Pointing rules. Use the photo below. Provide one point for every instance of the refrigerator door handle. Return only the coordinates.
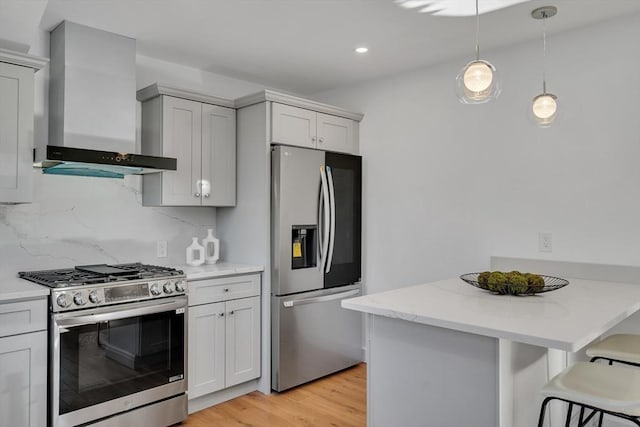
(324, 218)
(323, 298)
(332, 220)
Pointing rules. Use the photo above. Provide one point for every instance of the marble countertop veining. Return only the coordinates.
(565, 319)
(220, 269)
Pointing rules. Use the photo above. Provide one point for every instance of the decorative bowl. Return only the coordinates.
(550, 284)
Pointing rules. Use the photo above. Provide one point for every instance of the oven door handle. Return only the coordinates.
(86, 319)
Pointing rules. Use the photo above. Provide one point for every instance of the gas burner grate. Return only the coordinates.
(96, 274)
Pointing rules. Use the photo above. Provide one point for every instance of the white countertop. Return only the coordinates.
(565, 319)
(220, 269)
(14, 288)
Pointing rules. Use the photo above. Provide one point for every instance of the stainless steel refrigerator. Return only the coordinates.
(316, 262)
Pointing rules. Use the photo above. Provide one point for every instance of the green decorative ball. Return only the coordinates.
(483, 278)
(518, 283)
(497, 281)
(535, 282)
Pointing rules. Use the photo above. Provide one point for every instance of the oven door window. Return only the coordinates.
(107, 360)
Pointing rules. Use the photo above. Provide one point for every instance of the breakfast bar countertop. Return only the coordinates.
(566, 319)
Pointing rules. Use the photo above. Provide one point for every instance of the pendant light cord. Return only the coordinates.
(544, 52)
(477, 33)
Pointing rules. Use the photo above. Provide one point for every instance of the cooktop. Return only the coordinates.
(98, 273)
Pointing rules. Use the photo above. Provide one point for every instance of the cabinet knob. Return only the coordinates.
(206, 194)
(313, 138)
(231, 312)
(221, 314)
(197, 195)
(321, 140)
(226, 289)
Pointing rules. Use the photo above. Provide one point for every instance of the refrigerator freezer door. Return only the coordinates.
(296, 186)
(313, 336)
(345, 187)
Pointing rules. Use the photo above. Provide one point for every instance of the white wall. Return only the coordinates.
(447, 185)
(79, 220)
(151, 70)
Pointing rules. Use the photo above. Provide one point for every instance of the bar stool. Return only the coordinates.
(603, 389)
(620, 348)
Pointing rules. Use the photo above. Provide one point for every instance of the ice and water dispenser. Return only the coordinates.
(303, 246)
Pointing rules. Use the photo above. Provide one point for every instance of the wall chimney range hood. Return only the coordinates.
(92, 106)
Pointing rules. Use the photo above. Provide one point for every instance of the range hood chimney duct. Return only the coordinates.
(92, 106)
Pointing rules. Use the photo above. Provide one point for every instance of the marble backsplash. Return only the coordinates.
(81, 220)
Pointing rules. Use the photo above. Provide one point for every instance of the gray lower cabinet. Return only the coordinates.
(224, 336)
(23, 364)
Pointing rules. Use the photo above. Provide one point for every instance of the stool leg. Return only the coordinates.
(543, 407)
(601, 417)
(581, 419)
(568, 420)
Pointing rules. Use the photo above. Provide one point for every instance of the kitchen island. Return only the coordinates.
(448, 354)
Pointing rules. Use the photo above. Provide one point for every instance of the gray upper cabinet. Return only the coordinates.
(306, 123)
(305, 128)
(293, 126)
(201, 136)
(16, 125)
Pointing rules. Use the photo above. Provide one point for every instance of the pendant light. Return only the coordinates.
(478, 81)
(544, 108)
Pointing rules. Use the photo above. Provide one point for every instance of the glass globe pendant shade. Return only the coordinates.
(477, 82)
(544, 109)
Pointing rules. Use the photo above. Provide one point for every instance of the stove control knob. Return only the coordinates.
(63, 300)
(155, 290)
(78, 299)
(167, 288)
(179, 287)
(94, 297)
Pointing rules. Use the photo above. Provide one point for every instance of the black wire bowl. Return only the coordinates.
(550, 284)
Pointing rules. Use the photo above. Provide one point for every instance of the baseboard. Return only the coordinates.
(208, 400)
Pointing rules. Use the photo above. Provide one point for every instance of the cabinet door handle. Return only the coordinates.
(197, 195)
(321, 140)
(231, 312)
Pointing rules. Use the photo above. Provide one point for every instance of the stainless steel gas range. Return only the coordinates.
(118, 345)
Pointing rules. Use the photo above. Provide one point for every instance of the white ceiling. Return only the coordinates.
(306, 46)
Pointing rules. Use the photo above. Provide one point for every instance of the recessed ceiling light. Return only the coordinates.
(362, 49)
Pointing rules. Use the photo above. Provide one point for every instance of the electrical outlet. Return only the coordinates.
(161, 248)
(544, 242)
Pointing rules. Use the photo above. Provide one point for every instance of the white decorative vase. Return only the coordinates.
(195, 253)
(211, 248)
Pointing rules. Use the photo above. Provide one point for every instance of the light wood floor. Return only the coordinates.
(335, 401)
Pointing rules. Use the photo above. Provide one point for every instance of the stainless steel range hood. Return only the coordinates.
(92, 106)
